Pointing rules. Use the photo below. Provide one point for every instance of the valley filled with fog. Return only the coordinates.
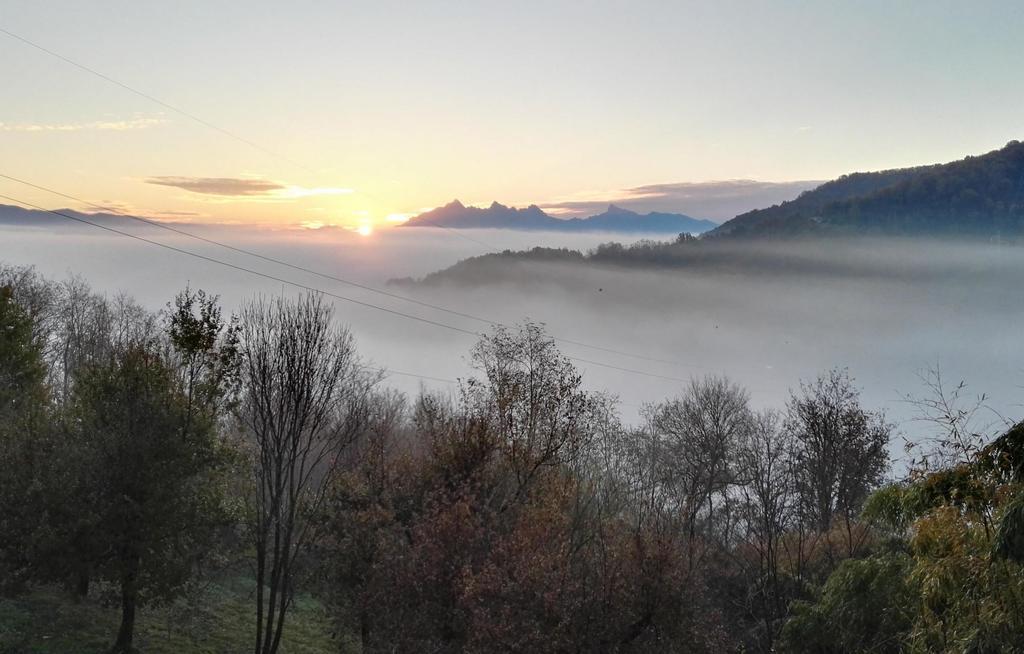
(885, 309)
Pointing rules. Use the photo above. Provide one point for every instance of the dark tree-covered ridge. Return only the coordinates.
(975, 196)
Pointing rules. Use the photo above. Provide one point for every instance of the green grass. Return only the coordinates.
(219, 620)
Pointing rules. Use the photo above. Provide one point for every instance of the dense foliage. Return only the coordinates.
(949, 578)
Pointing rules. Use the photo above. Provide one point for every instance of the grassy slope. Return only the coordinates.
(47, 621)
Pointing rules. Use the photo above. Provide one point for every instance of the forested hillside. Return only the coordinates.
(891, 258)
(980, 196)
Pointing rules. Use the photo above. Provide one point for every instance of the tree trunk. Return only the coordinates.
(364, 630)
(261, 558)
(129, 594)
(82, 584)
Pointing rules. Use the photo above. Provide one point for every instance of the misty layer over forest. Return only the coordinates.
(766, 314)
(187, 464)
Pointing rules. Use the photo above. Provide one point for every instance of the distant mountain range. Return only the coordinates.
(15, 216)
(456, 215)
(976, 197)
(980, 196)
(18, 216)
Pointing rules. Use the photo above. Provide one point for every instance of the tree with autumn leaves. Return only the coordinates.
(521, 515)
(947, 571)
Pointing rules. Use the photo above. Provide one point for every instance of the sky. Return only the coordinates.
(375, 111)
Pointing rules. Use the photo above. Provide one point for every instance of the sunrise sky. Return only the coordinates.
(381, 109)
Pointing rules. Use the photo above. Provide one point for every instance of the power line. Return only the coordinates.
(314, 289)
(251, 253)
(639, 372)
(156, 100)
(292, 162)
(277, 155)
(242, 268)
(366, 287)
(201, 121)
(391, 371)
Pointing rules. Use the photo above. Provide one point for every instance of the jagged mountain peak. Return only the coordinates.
(614, 219)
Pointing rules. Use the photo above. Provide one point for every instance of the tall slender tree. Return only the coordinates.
(304, 400)
(24, 448)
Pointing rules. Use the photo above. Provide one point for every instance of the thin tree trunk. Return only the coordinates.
(129, 595)
(82, 583)
(275, 588)
(261, 556)
(285, 601)
(364, 630)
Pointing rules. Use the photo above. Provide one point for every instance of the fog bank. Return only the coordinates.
(885, 309)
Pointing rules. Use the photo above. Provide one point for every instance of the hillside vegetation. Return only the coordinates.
(905, 259)
(147, 458)
(979, 196)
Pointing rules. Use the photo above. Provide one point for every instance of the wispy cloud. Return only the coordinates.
(244, 187)
(219, 185)
(715, 200)
(99, 125)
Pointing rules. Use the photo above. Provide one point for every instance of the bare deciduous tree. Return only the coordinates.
(961, 425)
(767, 491)
(304, 399)
(533, 397)
(841, 450)
(699, 434)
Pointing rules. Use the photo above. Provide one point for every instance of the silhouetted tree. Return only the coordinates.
(699, 436)
(25, 445)
(150, 468)
(304, 400)
(840, 450)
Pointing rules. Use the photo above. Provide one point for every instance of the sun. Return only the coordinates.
(364, 230)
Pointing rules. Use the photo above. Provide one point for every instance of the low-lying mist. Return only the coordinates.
(766, 315)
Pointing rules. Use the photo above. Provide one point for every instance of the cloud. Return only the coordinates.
(219, 185)
(244, 187)
(714, 200)
(100, 125)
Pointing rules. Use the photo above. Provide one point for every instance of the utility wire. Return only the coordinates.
(204, 123)
(314, 289)
(242, 268)
(251, 253)
(156, 100)
(292, 162)
(278, 155)
(390, 371)
(317, 273)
